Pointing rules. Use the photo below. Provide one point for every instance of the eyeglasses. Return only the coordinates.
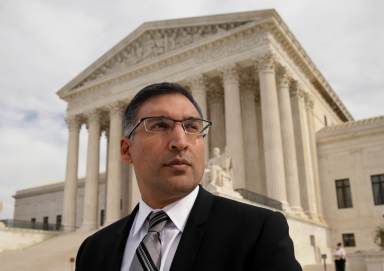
(163, 125)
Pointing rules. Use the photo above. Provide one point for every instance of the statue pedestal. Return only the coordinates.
(223, 190)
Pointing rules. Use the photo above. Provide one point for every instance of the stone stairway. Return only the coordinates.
(51, 255)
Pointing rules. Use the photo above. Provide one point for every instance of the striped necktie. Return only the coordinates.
(148, 253)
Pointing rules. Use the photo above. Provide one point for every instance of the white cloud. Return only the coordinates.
(44, 44)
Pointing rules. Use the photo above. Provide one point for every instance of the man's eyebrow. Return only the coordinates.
(168, 117)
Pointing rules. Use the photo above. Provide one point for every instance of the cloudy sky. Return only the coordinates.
(44, 44)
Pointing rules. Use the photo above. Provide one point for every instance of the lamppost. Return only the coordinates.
(324, 258)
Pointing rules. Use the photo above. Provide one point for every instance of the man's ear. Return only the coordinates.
(125, 150)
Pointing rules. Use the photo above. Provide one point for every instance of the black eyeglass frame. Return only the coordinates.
(209, 124)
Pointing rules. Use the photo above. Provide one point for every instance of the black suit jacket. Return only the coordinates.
(220, 234)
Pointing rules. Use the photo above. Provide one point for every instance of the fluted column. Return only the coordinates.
(199, 92)
(114, 163)
(304, 153)
(288, 137)
(312, 138)
(262, 184)
(252, 162)
(92, 179)
(134, 191)
(233, 124)
(273, 147)
(70, 185)
(216, 115)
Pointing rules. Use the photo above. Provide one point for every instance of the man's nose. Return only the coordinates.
(179, 140)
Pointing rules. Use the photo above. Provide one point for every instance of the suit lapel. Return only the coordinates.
(193, 232)
(117, 251)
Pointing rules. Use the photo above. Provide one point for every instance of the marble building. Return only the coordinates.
(289, 135)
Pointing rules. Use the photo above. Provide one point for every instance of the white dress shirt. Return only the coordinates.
(170, 236)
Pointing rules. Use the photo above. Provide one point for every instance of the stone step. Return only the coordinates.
(51, 255)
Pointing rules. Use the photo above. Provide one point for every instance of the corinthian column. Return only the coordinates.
(252, 161)
(199, 92)
(114, 163)
(233, 124)
(273, 148)
(92, 179)
(216, 115)
(304, 156)
(70, 186)
(312, 139)
(291, 173)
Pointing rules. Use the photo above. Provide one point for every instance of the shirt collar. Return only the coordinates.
(177, 211)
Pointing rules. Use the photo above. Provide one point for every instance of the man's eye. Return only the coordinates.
(192, 126)
(159, 126)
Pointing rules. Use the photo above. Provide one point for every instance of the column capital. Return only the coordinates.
(73, 123)
(247, 82)
(93, 115)
(230, 72)
(116, 108)
(309, 102)
(296, 91)
(215, 94)
(284, 79)
(196, 81)
(266, 63)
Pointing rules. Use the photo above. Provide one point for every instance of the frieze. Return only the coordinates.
(153, 43)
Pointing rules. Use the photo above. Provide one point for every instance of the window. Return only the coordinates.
(343, 193)
(102, 217)
(325, 121)
(312, 240)
(33, 222)
(378, 188)
(349, 239)
(58, 222)
(45, 223)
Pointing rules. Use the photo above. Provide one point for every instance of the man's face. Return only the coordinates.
(168, 166)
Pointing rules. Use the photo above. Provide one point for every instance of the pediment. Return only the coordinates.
(153, 43)
(153, 39)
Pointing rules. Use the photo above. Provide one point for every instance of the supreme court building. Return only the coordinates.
(291, 139)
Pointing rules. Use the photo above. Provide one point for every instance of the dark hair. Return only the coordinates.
(148, 92)
(339, 244)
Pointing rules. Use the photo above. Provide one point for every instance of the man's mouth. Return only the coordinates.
(179, 164)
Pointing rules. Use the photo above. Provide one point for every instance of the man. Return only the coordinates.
(177, 225)
(340, 256)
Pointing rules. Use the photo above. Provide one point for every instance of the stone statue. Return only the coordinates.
(218, 175)
(219, 168)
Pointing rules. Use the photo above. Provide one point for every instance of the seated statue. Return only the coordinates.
(219, 168)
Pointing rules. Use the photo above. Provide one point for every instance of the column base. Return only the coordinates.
(88, 227)
(68, 228)
(314, 217)
(297, 211)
